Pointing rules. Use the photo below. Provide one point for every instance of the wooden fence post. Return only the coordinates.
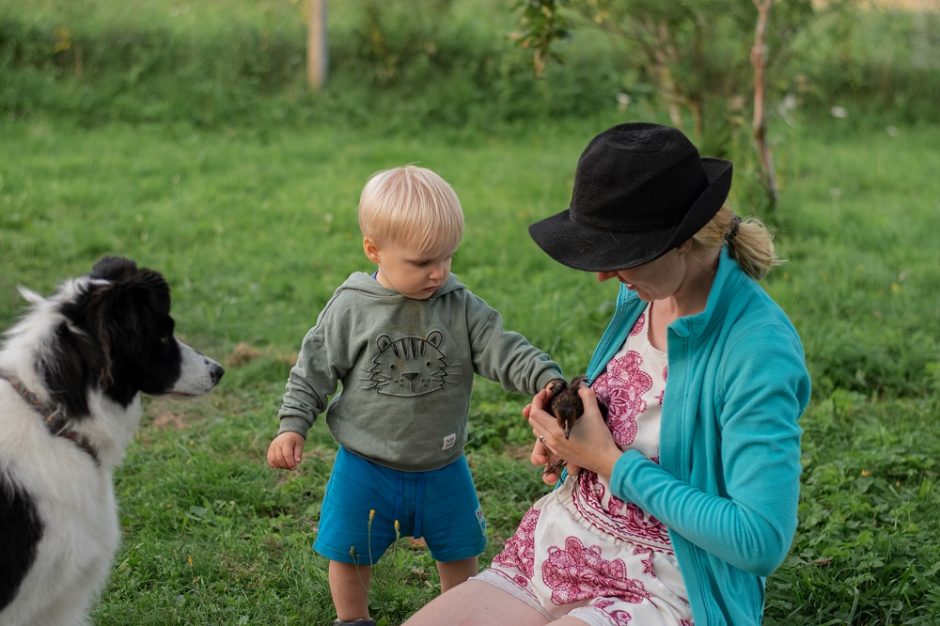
(317, 52)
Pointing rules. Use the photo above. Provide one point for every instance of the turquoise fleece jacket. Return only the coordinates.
(728, 480)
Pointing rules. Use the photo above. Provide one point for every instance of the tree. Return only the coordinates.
(697, 56)
(317, 52)
(759, 120)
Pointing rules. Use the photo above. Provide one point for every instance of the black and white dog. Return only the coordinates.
(71, 374)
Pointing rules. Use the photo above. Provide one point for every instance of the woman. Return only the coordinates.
(677, 507)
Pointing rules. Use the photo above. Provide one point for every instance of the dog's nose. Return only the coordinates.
(216, 371)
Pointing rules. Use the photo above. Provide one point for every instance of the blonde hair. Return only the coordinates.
(411, 206)
(749, 241)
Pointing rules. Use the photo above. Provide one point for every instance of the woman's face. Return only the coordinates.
(656, 280)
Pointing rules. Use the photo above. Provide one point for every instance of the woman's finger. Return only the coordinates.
(538, 455)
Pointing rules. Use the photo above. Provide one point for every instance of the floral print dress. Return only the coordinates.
(580, 550)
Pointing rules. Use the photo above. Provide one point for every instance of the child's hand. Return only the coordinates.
(555, 385)
(286, 451)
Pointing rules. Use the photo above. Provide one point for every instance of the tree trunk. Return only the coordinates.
(665, 56)
(759, 123)
(317, 53)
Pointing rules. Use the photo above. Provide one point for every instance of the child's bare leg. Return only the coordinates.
(349, 586)
(453, 573)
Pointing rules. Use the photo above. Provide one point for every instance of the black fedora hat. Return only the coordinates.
(640, 190)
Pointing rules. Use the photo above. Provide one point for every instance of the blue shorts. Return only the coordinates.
(440, 505)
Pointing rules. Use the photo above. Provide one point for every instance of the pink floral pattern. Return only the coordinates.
(519, 551)
(619, 617)
(639, 325)
(608, 513)
(662, 393)
(581, 547)
(648, 561)
(575, 573)
(621, 388)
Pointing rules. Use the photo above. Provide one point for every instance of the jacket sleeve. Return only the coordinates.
(505, 356)
(749, 514)
(323, 361)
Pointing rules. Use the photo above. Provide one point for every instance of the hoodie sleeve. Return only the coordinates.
(321, 364)
(505, 356)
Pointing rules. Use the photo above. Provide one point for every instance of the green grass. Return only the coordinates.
(234, 63)
(254, 227)
(180, 134)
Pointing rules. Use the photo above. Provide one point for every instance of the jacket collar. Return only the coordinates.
(728, 278)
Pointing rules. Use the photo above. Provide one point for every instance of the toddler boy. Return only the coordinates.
(405, 343)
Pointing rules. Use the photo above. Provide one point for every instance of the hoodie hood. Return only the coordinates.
(364, 283)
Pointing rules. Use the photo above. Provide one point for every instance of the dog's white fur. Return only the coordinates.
(72, 494)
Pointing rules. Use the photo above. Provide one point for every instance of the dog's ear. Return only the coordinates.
(127, 312)
(83, 357)
(113, 268)
(132, 301)
(149, 291)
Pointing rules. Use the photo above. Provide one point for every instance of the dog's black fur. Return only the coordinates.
(21, 530)
(123, 341)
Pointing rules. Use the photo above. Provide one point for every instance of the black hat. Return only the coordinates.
(640, 190)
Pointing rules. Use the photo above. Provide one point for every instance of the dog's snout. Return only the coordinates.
(199, 373)
(216, 371)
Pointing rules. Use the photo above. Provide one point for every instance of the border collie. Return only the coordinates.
(71, 374)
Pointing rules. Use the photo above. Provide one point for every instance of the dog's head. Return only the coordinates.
(118, 337)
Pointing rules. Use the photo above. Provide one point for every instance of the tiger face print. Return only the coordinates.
(409, 366)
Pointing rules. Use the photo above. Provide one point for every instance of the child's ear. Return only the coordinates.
(371, 249)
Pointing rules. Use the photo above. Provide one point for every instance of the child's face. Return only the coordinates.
(411, 273)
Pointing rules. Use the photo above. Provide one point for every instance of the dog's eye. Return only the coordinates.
(165, 339)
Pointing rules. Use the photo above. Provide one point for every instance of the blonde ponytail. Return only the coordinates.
(749, 241)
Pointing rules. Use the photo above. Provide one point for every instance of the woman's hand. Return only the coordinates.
(541, 455)
(590, 446)
(552, 463)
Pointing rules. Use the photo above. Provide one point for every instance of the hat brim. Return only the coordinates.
(593, 249)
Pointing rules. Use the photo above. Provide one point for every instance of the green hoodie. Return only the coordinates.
(406, 368)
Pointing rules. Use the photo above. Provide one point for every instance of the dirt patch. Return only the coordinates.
(242, 353)
(169, 412)
(170, 419)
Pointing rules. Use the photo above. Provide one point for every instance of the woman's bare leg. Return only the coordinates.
(476, 603)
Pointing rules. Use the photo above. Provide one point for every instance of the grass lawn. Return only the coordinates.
(255, 227)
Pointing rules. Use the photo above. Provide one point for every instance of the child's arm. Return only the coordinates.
(286, 451)
(506, 356)
(322, 362)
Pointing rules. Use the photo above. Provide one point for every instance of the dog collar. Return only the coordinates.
(53, 417)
